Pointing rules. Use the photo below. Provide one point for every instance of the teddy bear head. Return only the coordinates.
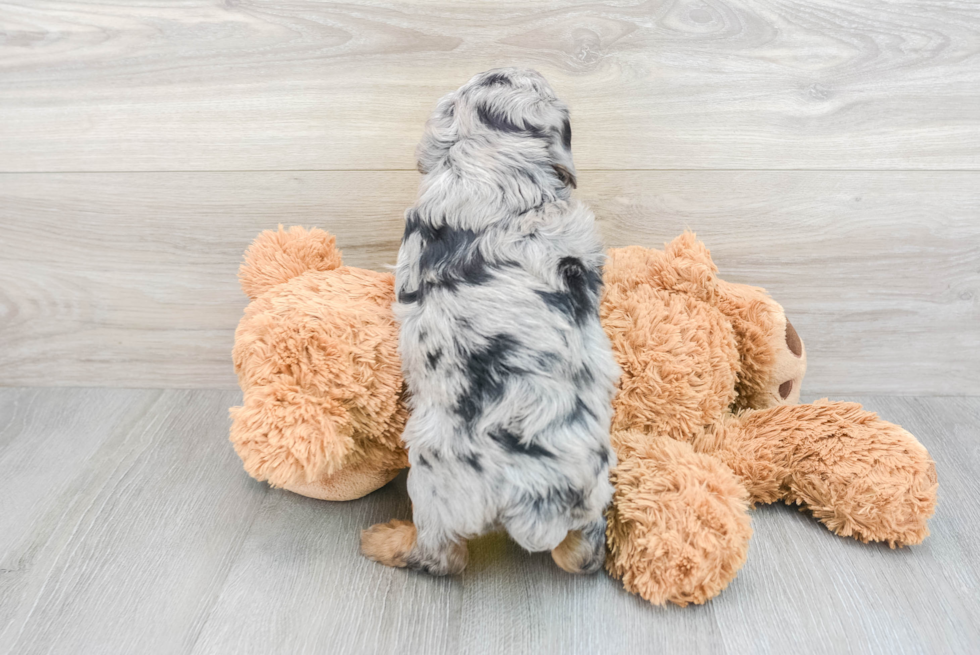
(693, 348)
(316, 356)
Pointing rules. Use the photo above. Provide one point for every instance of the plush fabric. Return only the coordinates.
(706, 420)
(718, 367)
(678, 529)
(317, 361)
(862, 477)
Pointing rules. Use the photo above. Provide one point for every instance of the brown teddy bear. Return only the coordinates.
(706, 422)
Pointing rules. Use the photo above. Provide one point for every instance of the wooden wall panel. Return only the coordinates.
(112, 279)
(103, 85)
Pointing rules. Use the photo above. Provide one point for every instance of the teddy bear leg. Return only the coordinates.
(285, 436)
(860, 476)
(349, 483)
(678, 527)
(582, 551)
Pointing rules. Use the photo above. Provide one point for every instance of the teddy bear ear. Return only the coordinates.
(683, 266)
(278, 256)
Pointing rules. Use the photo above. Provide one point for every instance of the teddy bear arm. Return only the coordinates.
(678, 527)
(860, 476)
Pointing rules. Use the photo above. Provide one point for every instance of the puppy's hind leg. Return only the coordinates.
(397, 544)
(583, 551)
(389, 543)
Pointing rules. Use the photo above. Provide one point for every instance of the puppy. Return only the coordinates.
(510, 375)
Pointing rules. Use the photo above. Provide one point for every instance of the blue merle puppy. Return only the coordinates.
(510, 374)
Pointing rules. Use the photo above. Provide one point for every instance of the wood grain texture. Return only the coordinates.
(141, 533)
(245, 85)
(121, 538)
(867, 598)
(129, 279)
(53, 454)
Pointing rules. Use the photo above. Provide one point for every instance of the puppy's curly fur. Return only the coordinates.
(511, 376)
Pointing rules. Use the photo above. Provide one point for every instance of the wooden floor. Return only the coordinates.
(128, 526)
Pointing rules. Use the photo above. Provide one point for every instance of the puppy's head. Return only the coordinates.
(509, 111)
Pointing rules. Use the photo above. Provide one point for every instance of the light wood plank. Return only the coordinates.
(52, 451)
(142, 534)
(129, 279)
(104, 85)
(809, 591)
(146, 541)
(879, 272)
(301, 563)
(802, 589)
(949, 429)
(301, 559)
(537, 608)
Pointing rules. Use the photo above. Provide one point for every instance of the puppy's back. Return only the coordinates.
(499, 279)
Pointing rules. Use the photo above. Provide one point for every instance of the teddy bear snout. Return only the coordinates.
(789, 368)
(793, 342)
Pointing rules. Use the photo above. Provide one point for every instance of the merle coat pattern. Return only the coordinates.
(510, 374)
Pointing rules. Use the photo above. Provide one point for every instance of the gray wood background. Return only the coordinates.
(828, 150)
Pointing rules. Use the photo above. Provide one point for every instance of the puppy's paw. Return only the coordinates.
(389, 543)
(577, 553)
